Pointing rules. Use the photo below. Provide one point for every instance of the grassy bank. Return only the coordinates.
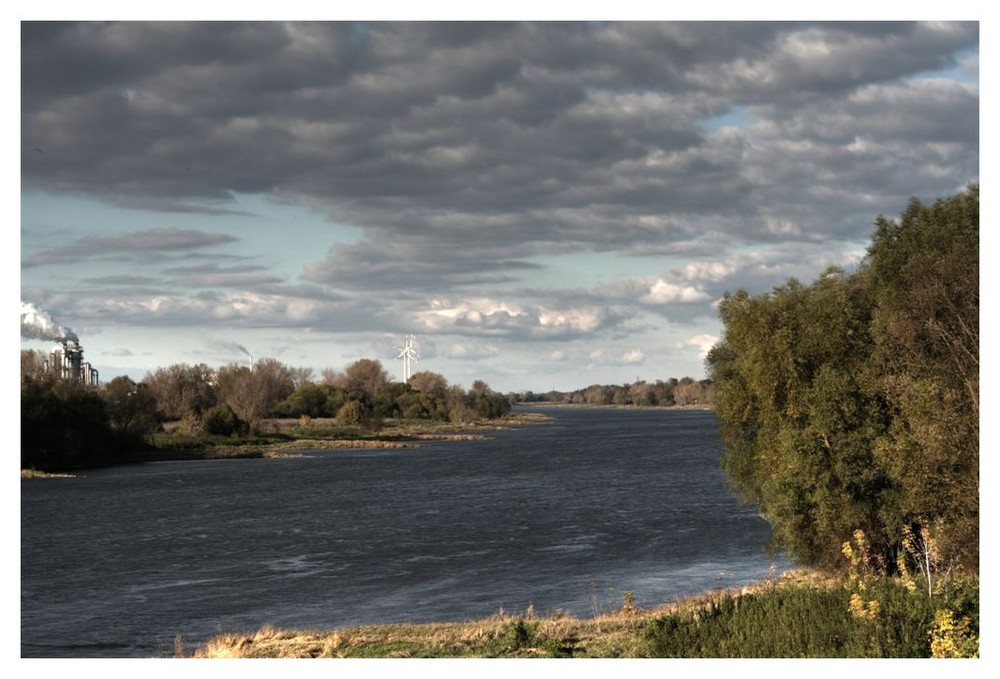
(802, 614)
(289, 438)
(282, 438)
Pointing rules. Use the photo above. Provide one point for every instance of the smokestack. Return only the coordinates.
(245, 351)
(235, 346)
(66, 361)
(37, 324)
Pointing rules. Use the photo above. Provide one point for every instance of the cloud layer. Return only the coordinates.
(472, 155)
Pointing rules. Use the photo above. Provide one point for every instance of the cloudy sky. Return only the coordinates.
(543, 205)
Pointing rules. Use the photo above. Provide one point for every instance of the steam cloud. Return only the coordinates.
(38, 324)
(227, 346)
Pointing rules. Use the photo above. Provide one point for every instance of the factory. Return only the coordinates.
(66, 361)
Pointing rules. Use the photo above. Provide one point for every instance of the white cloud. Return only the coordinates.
(633, 356)
(489, 316)
(703, 343)
(662, 292)
(709, 271)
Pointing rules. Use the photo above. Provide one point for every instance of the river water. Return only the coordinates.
(567, 515)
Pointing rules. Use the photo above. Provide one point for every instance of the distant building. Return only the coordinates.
(67, 363)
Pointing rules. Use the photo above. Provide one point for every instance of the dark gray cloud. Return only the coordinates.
(387, 118)
(466, 151)
(125, 280)
(144, 244)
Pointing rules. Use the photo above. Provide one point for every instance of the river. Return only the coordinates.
(566, 515)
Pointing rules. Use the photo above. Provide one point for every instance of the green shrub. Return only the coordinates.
(220, 420)
(815, 622)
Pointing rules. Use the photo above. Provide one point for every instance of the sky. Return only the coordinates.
(543, 205)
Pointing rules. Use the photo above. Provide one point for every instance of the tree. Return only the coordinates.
(459, 408)
(64, 426)
(365, 378)
(220, 420)
(798, 426)
(180, 389)
(641, 394)
(430, 383)
(253, 394)
(423, 405)
(131, 407)
(353, 412)
(300, 376)
(924, 274)
(308, 399)
(852, 403)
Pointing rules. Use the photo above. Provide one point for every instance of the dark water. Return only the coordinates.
(567, 515)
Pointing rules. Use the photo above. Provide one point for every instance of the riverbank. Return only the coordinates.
(290, 438)
(801, 614)
(281, 437)
(563, 404)
(615, 633)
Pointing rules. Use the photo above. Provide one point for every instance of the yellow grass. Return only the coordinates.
(616, 634)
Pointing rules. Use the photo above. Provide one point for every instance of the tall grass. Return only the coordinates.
(803, 614)
(813, 622)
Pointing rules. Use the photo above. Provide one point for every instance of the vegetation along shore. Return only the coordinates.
(800, 614)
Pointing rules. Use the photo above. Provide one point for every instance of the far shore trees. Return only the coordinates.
(181, 389)
(253, 394)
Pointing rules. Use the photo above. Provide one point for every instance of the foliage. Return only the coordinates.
(65, 426)
(808, 621)
(365, 379)
(951, 638)
(924, 275)
(852, 403)
(180, 389)
(791, 618)
(185, 408)
(312, 400)
(684, 392)
(253, 394)
(131, 407)
(220, 420)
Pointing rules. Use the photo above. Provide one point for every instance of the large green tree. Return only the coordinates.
(853, 402)
(798, 423)
(64, 425)
(131, 407)
(923, 271)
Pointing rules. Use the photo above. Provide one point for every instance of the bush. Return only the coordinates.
(220, 420)
(817, 622)
(351, 413)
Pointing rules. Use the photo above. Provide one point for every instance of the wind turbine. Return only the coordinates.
(408, 353)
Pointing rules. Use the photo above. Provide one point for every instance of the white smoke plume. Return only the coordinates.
(38, 324)
(234, 346)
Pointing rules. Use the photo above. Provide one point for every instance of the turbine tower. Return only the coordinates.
(408, 352)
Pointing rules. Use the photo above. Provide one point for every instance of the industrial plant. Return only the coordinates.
(66, 362)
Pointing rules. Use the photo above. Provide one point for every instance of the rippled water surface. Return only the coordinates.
(567, 515)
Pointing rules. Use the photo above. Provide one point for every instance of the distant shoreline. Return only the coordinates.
(557, 404)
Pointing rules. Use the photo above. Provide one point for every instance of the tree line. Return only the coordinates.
(671, 392)
(65, 424)
(853, 403)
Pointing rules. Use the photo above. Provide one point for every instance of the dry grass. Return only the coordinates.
(35, 474)
(292, 437)
(617, 634)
